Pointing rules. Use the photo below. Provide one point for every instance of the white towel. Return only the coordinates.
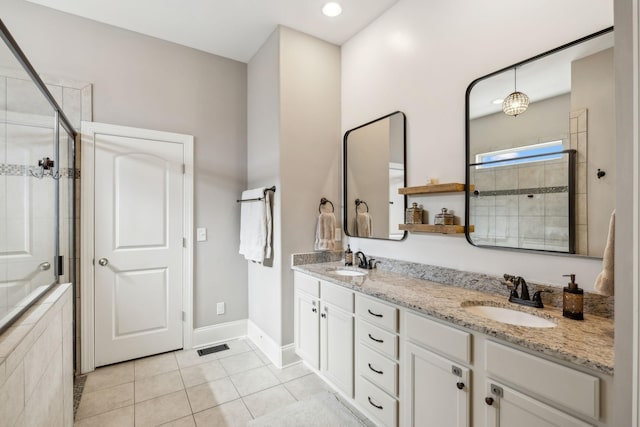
(326, 232)
(604, 281)
(255, 225)
(363, 224)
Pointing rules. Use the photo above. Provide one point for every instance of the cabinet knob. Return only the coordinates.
(460, 385)
(315, 310)
(488, 400)
(324, 315)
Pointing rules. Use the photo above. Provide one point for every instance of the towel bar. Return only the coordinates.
(257, 198)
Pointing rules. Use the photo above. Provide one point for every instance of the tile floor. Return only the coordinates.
(228, 388)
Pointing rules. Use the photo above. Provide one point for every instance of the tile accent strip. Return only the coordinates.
(23, 170)
(539, 190)
(316, 257)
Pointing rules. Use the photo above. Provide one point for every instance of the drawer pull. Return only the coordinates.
(488, 400)
(374, 370)
(460, 385)
(374, 314)
(373, 404)
(375, 339)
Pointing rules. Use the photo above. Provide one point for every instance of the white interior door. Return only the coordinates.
(138, 243)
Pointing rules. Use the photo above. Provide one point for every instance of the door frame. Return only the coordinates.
(87, 168)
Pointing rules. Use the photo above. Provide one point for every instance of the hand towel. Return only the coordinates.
(605, 280)
(255, 225)
(326, 232)
(363, 224)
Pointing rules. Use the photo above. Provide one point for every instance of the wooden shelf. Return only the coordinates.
(439, 229)
(452, 187)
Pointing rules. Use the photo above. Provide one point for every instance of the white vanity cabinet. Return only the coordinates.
(508, 407)
(324, 329)
(436, 387)
(377, 367)
(539, 392)
(306, 312)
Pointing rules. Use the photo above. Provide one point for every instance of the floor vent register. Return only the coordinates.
(214, 349)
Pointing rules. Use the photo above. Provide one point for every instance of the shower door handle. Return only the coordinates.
(103, 261)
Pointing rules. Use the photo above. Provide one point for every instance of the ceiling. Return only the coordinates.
(234, 28)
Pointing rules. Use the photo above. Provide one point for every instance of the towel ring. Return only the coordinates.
(359, 202)
(323, 202)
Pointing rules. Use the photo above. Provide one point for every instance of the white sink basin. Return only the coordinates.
(512, 317)
(351, 273)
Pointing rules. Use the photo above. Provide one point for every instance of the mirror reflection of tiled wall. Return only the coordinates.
(523, 206)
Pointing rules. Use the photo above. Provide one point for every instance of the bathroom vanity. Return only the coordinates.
(410, 352)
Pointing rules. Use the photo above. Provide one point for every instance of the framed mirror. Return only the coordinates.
(540, 151)
(374, 169)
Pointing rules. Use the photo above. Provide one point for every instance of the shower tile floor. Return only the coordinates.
(180, 388)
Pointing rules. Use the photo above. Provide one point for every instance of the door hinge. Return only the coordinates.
(184, 242)
(60, 266)
(184, 316)
(184, 169)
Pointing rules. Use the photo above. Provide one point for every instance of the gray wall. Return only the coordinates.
(144, 82)
(294, 83)
(625, 266)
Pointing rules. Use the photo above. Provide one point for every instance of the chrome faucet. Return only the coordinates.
(523, 298)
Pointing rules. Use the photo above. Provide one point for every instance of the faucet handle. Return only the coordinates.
(372, 263)
(537, 297)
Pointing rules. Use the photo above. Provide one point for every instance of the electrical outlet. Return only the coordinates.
(220, 308)
(201, 234)
(338, 234)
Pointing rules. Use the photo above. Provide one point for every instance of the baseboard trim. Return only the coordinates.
(280, 356)
(214, 334)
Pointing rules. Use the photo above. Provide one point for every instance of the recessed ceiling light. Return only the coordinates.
(332, 9)
(497, 101)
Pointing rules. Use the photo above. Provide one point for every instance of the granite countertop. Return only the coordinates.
(587, 343)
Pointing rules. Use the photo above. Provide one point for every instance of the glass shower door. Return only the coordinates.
(28, 180)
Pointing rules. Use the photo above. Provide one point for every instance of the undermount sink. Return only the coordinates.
(345, 272)
(512, 317)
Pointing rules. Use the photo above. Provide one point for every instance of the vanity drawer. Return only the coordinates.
(441, 338)
(378, 369)
(337, 295)
(378, 404)
(383, 341)
(378, 313)
(562, 385)
(307, 284)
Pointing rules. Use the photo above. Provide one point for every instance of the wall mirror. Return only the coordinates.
(543, 174)
(374, 169)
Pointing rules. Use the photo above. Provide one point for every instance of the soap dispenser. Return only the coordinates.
(573, 300)
(348, 256)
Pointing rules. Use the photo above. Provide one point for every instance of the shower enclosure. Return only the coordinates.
(37, 178)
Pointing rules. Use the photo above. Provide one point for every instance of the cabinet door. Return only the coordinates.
(508, 407)
(337, 347)
(436, 391)
(307, 328)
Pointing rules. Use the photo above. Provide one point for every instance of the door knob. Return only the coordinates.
(44, 266)
(103, 261)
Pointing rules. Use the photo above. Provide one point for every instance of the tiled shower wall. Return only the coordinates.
(36, 364)
(523, 206)
(26, 135)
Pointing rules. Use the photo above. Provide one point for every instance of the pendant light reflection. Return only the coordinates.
(517, 102)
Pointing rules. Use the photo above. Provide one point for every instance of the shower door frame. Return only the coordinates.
(60, 118)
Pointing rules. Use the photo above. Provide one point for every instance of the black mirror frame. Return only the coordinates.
(344, 173)
(467, 136)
